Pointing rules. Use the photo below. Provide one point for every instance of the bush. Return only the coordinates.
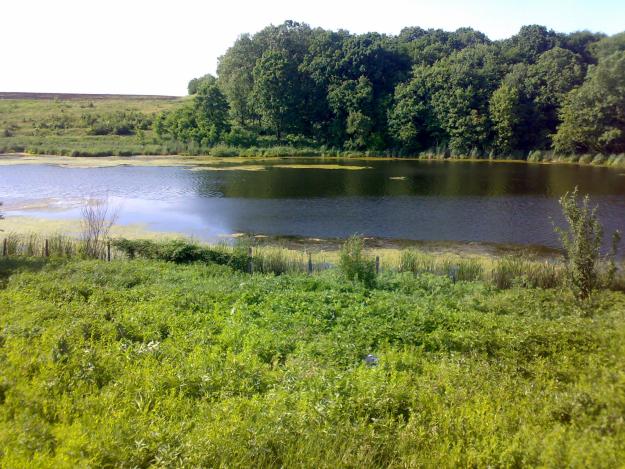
(181, 252)
(355, 264)
(582, 243)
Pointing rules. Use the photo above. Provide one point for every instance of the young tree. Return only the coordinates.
(582, 243)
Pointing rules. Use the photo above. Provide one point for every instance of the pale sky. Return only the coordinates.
(156, 47)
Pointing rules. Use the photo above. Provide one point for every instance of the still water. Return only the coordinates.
(400, 199)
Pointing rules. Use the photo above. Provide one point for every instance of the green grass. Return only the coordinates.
(56, 127)
(145, 363)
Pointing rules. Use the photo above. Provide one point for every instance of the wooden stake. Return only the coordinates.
(250, 263)
(377, 265)
(108, 251)
(5, 248)
(46, 249)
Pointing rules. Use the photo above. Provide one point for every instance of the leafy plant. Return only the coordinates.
(582, 243)
(355, 264)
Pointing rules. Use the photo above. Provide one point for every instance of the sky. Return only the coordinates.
(156, 47)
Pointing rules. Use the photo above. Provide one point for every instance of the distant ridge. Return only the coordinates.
(68, 96)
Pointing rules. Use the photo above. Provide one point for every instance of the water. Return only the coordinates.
(414, 200)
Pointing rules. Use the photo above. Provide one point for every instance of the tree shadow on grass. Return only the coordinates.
(13, 265)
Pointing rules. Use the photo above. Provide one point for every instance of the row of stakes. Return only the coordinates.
(46, 249)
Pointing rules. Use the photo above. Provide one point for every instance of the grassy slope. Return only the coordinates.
(145, 363)
(21, 116)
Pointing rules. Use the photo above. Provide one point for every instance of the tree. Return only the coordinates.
(195, 83)
(504, 111)
(555, 73)
(275, 92)
(582, 243)
(352, 103)
(528, 44)
(460, 87)
(593, 116)
(204, 120)
(411, 118)
(235, 71)
(211, 111)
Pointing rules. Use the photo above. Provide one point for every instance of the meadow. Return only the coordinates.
(81, 127)
(146, 363)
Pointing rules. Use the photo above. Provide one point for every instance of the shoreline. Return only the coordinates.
(23, 225)
(180, 160)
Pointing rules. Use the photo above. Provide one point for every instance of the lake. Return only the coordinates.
(399, 199)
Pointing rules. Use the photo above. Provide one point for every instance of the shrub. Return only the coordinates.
(355, 264)
(181, 252)
(582, 243)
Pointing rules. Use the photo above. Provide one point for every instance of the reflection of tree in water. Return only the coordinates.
(405, 178)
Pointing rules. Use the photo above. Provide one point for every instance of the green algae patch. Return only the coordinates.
(320, 166)
(230, 168)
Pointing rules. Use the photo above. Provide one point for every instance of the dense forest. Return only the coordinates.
(422, 91)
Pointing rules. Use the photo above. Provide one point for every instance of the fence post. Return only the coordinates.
(5, 248)
(310, 266)
(46, 249)
(377, 265)
(108, 251)
(250, 263)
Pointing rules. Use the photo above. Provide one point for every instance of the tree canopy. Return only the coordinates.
(453, 92)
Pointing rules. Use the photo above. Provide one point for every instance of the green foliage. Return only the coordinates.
(204, 120)
(117, 123)
(504, 110)
(355, 264)
(196, 83)
(274, 92)
(582, 243)
(180, 252)
(592, 117)
(148, 363)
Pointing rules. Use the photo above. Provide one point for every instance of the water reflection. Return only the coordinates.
(461, 201)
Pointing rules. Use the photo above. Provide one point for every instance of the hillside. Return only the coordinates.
(80, 124)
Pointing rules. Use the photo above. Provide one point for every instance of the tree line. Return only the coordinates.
(452, 93)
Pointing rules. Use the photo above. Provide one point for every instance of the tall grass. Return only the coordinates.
(503, 272)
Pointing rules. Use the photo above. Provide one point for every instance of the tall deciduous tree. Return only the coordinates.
(275, 79)
(593, 116)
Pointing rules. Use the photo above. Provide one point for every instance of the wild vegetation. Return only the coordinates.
(82, 126)
(422, 92)
(186, 355)
(150, 363)
(295, 90)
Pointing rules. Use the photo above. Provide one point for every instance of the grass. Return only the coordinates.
(145, 363)
(57, 127)
(500, 271)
